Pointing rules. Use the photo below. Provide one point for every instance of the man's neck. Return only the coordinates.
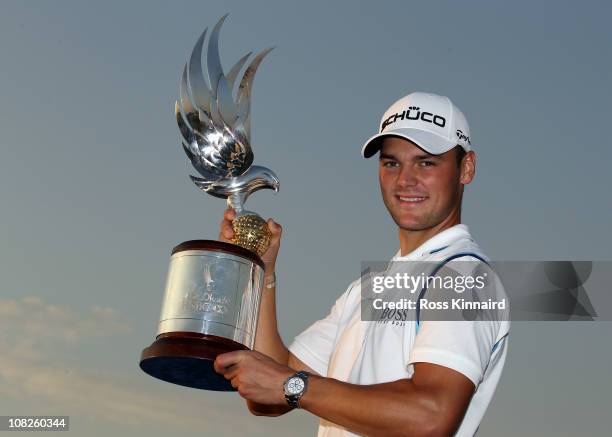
(410, 240)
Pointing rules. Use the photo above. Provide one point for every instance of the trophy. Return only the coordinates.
(213, 288)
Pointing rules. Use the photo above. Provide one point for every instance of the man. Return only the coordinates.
(376, 378)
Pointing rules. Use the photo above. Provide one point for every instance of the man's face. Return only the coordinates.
(421, 190)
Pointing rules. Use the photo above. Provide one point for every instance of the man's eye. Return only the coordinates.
(389, 164)
(427, 163)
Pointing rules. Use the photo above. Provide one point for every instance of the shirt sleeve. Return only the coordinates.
(465, 346)
(315, 344)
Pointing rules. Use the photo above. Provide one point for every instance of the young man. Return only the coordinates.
(378, 378)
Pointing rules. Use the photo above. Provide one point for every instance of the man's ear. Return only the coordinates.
(467, 168)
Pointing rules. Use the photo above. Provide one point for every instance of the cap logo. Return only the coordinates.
(463, 136)
(414, 113)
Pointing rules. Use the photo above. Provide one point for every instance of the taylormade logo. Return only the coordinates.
(414, 113)
(463, 136)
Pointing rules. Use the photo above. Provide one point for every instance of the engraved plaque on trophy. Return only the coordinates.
(213, 288)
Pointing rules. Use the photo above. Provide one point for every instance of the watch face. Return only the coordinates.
(295, 386)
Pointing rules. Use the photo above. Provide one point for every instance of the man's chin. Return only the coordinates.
(412, 225)
(414, 228)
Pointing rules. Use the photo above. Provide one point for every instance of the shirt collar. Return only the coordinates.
(436, 243)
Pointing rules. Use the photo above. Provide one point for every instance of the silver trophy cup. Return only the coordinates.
(213, 289)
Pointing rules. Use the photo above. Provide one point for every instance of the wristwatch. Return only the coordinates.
(295, 387)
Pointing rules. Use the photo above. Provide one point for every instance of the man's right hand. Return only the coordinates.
(226, 233)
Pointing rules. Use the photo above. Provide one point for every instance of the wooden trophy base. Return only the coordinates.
(186, 358)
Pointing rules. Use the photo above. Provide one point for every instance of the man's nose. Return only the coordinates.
(407, 177)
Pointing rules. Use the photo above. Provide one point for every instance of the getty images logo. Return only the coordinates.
(414, 113)
(463, 136)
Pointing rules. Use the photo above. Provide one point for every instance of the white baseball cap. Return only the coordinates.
(430, 121)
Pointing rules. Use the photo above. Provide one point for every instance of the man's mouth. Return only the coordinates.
(411, 199)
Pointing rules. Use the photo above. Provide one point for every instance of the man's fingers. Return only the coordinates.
(223, 361)
(275, 229)
(226, 232)
(231, 372)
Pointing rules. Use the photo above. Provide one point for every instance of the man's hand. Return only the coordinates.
(257, 377)
(226, 233)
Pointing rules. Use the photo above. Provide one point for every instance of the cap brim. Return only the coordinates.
(427, 141)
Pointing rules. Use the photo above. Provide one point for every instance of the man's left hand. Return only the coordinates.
(256, 376)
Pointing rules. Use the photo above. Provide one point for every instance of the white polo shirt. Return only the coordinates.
(344, 347)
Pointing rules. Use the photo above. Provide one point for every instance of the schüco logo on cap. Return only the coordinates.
(414, 113)
(463, 136)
